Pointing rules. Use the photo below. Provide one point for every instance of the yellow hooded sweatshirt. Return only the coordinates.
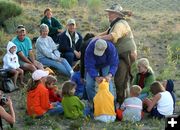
(104, 100)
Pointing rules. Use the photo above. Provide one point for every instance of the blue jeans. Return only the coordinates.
(90, 84)
(58, 109)
(69, 56)
(62, 66)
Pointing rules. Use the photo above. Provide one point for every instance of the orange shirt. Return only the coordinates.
(38, 101)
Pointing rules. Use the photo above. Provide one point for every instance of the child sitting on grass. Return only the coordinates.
(72, 105)
(169, 86)
(104, 104)
(161, 104)
(131, 109)
(11, 63)
(54, 93)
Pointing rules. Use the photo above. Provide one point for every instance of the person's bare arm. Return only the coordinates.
(31, 56)
(23, 58)
(153, 102)
(9, 117)
(103, 33)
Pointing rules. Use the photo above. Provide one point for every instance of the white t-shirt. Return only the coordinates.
(165, 104)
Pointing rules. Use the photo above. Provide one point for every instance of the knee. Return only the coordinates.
(32, 68)
(21, 71)
(16, 72)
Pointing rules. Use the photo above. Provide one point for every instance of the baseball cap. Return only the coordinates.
(38, 74)
(71, 21)
(20, 28)
(100, 47)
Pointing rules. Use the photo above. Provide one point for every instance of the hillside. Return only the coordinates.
(156, 28)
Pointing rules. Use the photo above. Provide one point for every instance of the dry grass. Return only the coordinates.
(155, 26)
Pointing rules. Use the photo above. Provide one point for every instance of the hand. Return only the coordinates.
(60, 30)
(83, 81)
(99, 79)
(9, 102)
(77, 54)
(108, 77)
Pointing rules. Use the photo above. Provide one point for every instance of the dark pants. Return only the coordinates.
(122, 76)
(155, 113)
(69, 56)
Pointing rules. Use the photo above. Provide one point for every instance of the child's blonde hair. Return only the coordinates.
(145, 63)
(50, 79)
(67, 88)
(156, 87)
(135, 90)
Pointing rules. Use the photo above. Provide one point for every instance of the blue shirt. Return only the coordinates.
(23, 46)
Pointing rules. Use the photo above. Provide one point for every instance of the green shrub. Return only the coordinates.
(104, 24)
(175, 48)
(94, 5)
(169, 70)
(28, 22)
(8, 10)
(68, 3)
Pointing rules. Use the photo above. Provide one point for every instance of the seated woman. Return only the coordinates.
(55, 27)
(47, 53)
(38, 102)
(144, 78)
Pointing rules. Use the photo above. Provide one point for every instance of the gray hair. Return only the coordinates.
(43, 27)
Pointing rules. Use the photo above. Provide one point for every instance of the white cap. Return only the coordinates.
(100, 47)
(71, 21)
(38, 74)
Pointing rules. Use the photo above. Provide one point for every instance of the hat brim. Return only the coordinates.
(118, 12)
(71, 23)
(21, 29)
(98, 53)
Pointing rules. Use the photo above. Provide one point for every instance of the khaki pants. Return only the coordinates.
(122, 76)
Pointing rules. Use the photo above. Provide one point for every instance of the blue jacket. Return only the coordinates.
(76, 77)
(93, 63)
(65, 42)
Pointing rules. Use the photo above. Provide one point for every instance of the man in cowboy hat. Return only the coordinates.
(121, 35)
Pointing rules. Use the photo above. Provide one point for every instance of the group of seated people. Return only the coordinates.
(61, 49)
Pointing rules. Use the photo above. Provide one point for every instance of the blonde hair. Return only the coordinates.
(145, 63)
(67, 88)
(156, 87)
(135, 90)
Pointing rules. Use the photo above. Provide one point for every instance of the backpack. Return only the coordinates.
(6, 84)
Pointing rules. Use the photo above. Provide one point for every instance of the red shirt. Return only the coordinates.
(141, 80)
(53, 97)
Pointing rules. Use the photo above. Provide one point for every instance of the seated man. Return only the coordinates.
(70, 42)
(24, 51)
